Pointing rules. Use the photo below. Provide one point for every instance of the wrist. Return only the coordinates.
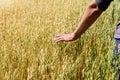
(75, 35)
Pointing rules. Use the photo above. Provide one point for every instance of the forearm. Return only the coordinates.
(91, 13)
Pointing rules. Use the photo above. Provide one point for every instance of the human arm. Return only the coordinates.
(90, 15)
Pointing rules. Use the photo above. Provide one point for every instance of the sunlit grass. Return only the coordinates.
(28, 50)
(5, 2)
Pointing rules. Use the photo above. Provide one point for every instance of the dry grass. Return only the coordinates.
(28, 51)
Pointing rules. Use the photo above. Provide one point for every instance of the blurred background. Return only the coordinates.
(28, 50)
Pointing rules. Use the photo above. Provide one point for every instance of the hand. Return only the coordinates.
(65, 37)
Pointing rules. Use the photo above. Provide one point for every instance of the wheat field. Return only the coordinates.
(28, 50)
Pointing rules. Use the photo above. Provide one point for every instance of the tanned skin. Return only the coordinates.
(91, 13)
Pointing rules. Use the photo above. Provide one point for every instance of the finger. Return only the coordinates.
(56, 38)
(59, 35)
(59, 39)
